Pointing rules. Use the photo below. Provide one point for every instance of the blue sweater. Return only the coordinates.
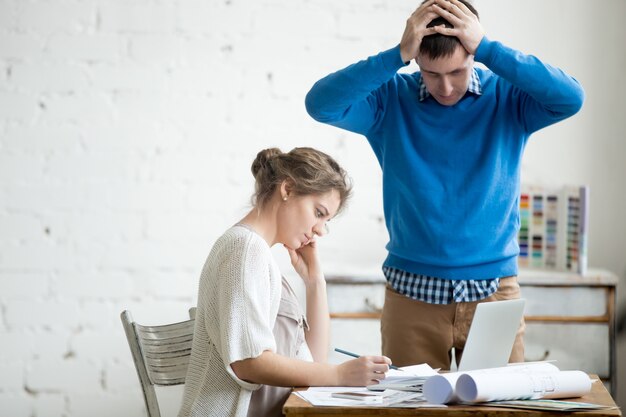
(450, 174)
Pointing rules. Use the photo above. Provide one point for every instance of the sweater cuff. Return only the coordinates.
(486, 51)
(392, 59)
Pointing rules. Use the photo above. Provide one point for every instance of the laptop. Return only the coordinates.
(492, 334)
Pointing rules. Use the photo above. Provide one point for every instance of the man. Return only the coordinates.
(449, 140)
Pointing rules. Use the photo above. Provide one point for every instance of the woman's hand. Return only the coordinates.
(366, 370)
(306, 262)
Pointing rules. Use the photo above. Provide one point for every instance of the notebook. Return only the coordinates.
(492, 334)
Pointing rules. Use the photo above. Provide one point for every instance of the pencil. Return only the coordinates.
(354, 355)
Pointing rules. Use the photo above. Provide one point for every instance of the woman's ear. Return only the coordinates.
(286, 188)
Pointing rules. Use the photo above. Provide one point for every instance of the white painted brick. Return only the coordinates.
(105, 404)
(213, 17)
(18, 106)
(139, 134)
(281, 22)
(164, 227)
(200, 80)
(18, 284)
(204, 51)
(100, 225)
(259, 52)
(86, 109)
(21, 167)
(194, 108)
(94, 167)
(5, 69)
(381, 25)
(53, 314)
(18, 226)
(8, 16)
(81, 285)
(129, 77)
(66, 375)
(146, 107)
(25, 345)
(11, 376)
(137, 17)
(190, 167)
(53, 17)
(98, 314)
(85, 48)
(49, 77)
(32, 198)
(21, 46)
(103, 345)
(49, 405)
(16, 405)
(121, 377)
(36, 255)
(175, 284)
(146, 196)
(155, 49)
(148, 255)
(41, 138)
(203, 197)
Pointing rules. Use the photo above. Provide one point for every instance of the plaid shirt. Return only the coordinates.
(474, 86)
(433, 290)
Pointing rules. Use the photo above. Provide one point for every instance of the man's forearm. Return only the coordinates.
(347, 98)
(559, 93)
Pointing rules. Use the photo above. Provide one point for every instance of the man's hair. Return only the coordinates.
(438, 45)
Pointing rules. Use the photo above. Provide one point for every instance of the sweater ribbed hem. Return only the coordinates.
(503, 268)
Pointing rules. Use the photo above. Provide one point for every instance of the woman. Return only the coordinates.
(249, 337)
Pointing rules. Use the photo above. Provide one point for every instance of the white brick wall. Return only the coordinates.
(127, 129)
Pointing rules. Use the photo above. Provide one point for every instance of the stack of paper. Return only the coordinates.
(361, 397)
(400, 388)
(410, 378)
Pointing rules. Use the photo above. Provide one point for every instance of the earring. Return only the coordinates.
(285, 198)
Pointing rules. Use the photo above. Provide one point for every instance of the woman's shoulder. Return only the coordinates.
(241, 241)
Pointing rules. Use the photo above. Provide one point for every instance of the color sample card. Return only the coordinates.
(553, 228)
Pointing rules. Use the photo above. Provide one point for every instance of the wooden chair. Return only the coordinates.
(161, 354)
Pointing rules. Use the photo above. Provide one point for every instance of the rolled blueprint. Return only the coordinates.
(483, 387)
(441, 389)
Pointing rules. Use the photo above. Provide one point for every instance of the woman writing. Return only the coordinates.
(249, 338)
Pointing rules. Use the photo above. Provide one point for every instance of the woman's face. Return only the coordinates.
(301, 218)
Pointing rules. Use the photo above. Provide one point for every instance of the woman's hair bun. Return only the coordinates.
(263, 160)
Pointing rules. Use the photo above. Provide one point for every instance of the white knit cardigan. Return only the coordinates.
(238, 299)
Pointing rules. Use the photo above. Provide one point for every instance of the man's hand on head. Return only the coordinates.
(466, 26)
(416, 29)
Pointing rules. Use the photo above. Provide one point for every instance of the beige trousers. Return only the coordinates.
(415, 332)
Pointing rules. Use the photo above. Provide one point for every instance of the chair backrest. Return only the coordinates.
(161, 354)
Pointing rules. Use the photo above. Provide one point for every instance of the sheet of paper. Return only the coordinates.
(323, 397)
(411, 378)
(548, 405)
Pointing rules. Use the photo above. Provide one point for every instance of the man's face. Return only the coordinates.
(447, 78)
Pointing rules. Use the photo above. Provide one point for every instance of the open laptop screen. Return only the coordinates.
(492, 334)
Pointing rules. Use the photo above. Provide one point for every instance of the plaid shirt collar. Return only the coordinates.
(474, 86)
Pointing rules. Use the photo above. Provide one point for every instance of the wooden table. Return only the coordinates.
(297, 407)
